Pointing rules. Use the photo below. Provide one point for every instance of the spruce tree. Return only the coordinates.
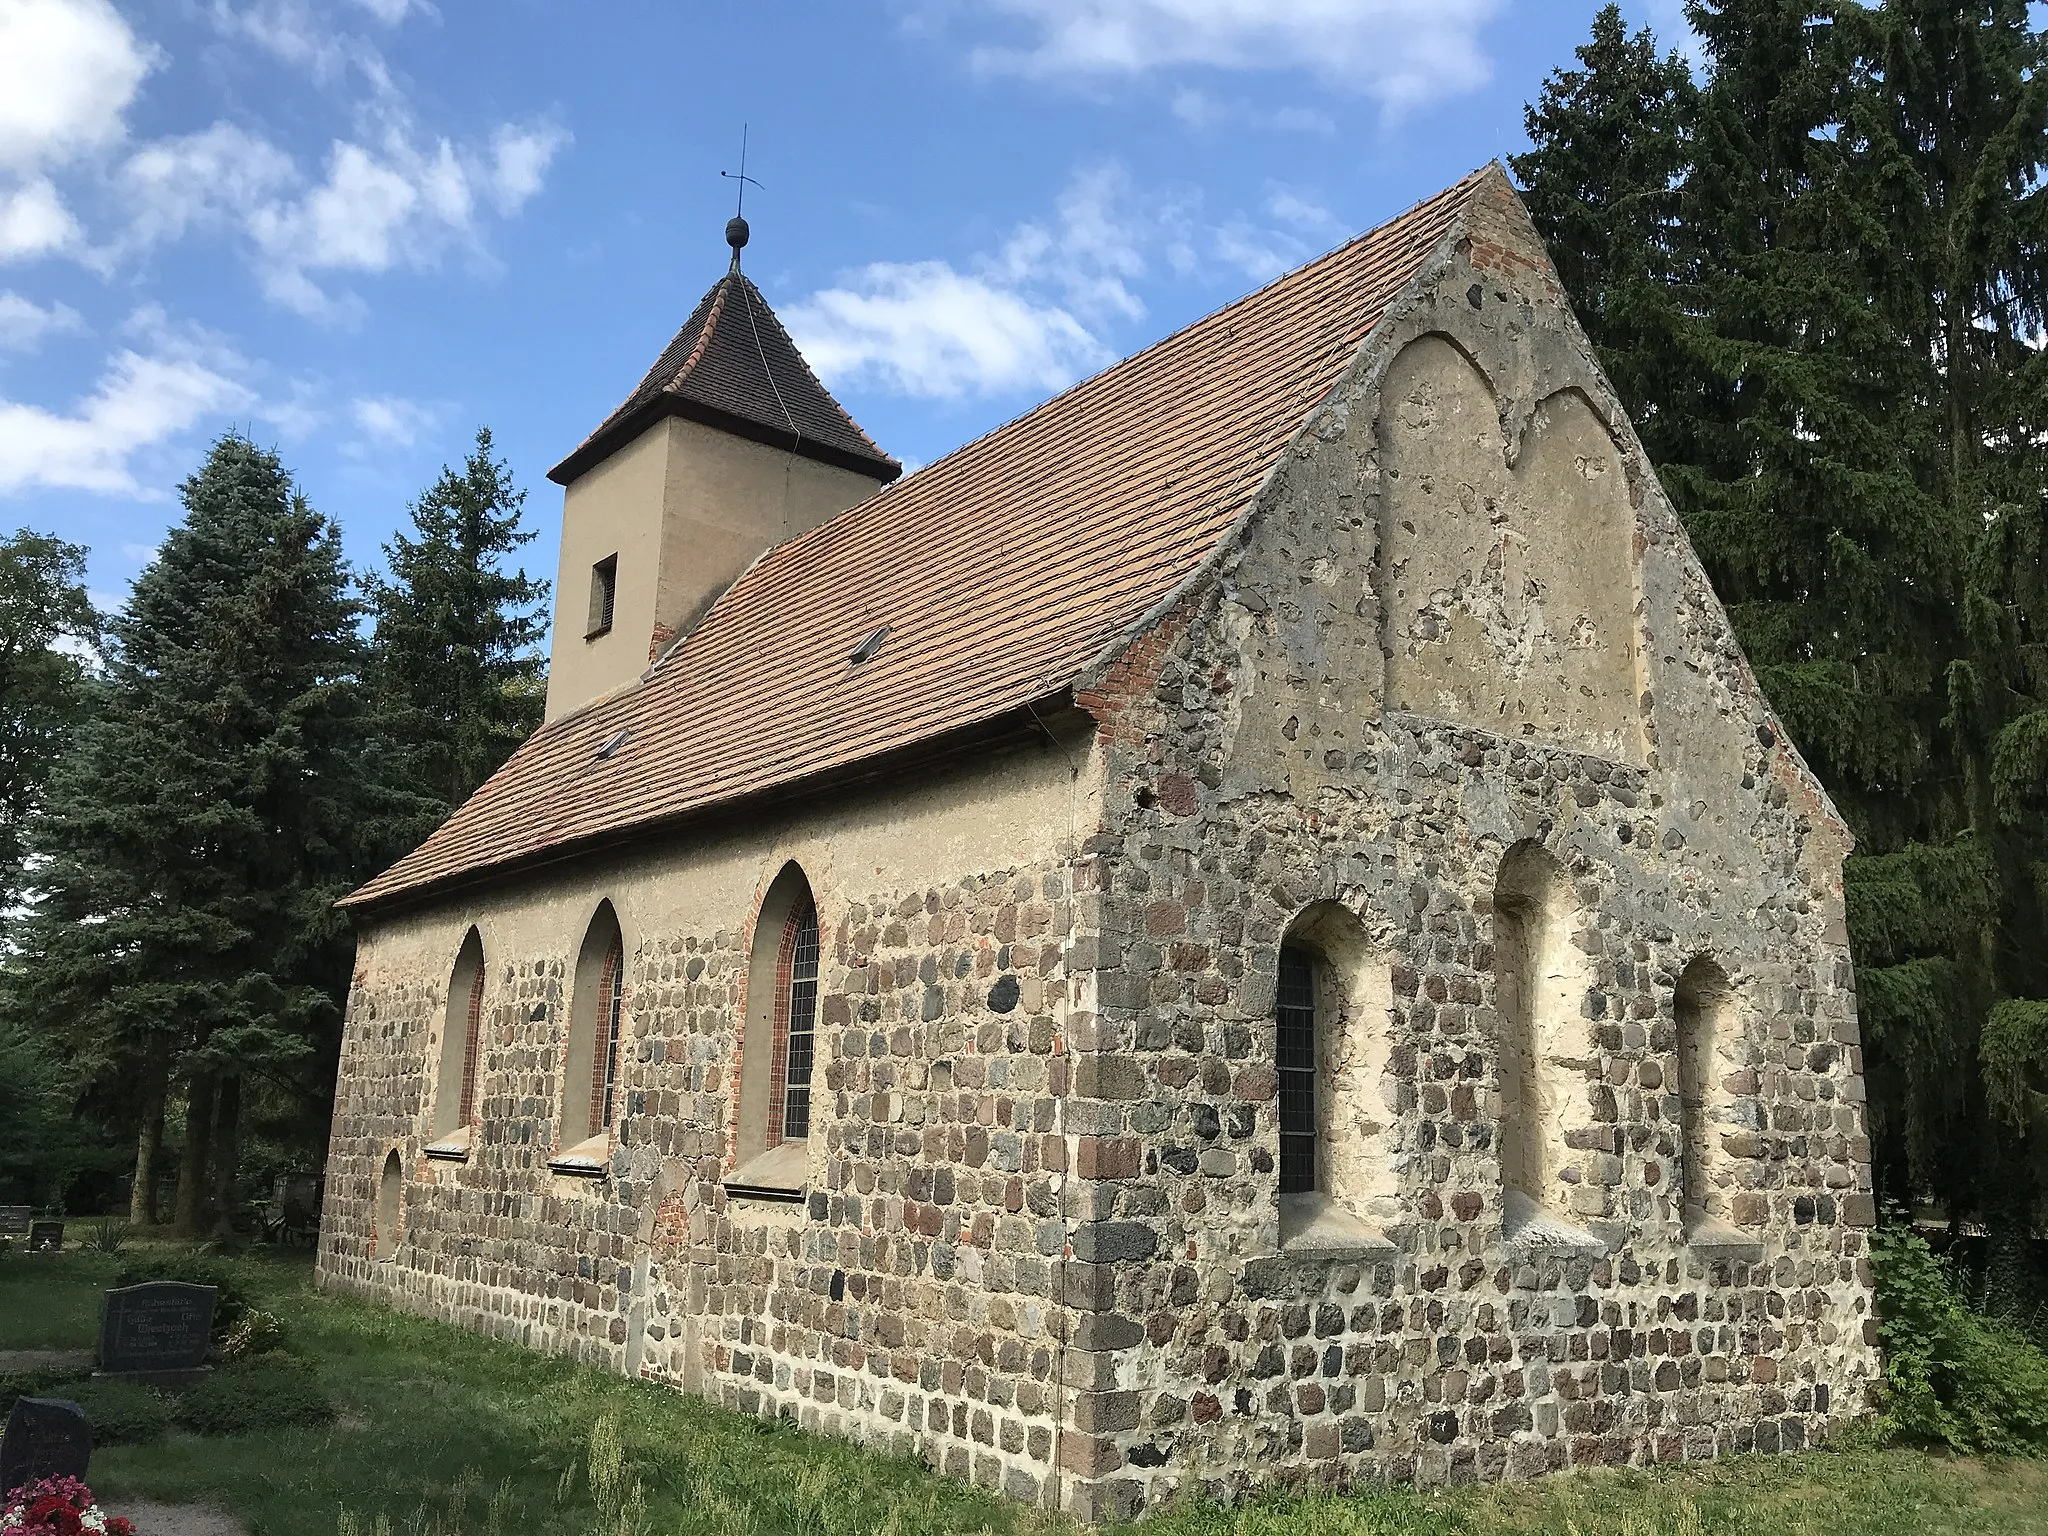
(1610, 142)
(43, 610)
(1855, 375)
(197, 835)
(455, 666)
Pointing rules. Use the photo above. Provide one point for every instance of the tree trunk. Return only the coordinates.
(226, 1149)
(192, 1161)
(149, 1144)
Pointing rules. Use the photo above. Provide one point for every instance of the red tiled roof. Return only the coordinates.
(734, 366)
(1002, 571)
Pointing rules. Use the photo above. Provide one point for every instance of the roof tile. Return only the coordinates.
(1002, 571)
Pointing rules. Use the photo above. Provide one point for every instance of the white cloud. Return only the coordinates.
(392, 12)
(23, 324)
(922, 328)
(519, 163)
(35, 222)
(1400, 52)
(1034, 313)
(68, 69)
(386, 204)
(1021, 318)
(390, 420)
(215, 174)
(141, 401)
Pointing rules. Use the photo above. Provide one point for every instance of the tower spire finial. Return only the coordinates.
(736, 231)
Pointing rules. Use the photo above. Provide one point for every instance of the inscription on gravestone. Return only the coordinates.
(164, 1325)
(14, 1220)
(45, 1437)
(46, 1237)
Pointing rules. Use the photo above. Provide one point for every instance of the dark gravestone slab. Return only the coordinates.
(46, 1237)
(45, 1437)
(14, 1220)
(160, 1327)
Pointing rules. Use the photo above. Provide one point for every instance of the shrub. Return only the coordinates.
(1951, 1375)
(273, 1391)
(120, 1412)
(107, 1235)
(192, 1268)
(258, 1333)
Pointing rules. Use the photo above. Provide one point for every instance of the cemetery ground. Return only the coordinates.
(447, 1434)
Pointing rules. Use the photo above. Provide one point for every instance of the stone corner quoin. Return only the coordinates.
(1444, 760)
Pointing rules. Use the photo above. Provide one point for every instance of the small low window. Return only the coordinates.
(604, 592)
(1296, 1052)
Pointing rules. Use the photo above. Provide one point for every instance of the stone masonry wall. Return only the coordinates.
(912, 1300)
(1256, 772)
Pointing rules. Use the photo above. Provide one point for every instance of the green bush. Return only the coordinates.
(1951, 1375)
(258, 1333)
(121, 1412)
(107, 1235)
(270, 1392)
(193, 1268)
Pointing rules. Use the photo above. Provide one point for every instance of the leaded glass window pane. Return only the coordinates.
(1296, 1059)
(803, 1023)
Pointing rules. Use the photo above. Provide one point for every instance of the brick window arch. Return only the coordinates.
(592, 1100)
(773, 1117)
(604, 1071)
(455, 1084)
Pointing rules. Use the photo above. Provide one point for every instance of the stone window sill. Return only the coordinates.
(591, 1159)
(1712, 1239)
(1533, 1231)
(450, 1149)
(777, 1177)
(1314, 1226)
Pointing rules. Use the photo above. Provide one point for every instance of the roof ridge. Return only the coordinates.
(711, 319)
(834, 523)
(1004, 569)
(1175, 335)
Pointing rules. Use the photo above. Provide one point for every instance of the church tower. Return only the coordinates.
(729, 446)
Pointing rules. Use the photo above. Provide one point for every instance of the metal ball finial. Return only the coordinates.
(736, 233)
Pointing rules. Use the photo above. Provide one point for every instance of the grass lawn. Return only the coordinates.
(442, 1432)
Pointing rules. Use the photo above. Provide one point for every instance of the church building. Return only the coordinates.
(1250, 926)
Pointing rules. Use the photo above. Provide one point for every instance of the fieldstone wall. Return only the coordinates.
(912, 1300)
(1257, 776)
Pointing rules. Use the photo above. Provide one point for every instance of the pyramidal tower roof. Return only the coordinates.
(733, 366)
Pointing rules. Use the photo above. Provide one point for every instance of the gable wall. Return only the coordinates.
(1463, 617)
(913, 1301)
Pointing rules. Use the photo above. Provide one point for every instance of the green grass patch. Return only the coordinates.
(437, 1432)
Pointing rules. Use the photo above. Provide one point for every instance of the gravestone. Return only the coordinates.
(159, 1329)
(45, 1437)
(14, 1220)
(46, 1237)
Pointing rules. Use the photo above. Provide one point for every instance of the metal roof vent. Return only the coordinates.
(866, 650)
(612, 743)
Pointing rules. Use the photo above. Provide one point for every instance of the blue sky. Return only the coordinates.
(356, 229)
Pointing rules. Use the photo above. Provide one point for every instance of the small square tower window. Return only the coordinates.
(604, 591)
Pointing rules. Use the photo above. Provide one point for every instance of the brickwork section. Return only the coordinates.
(912, 1301)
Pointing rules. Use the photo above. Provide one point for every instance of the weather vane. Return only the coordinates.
(736, 227)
